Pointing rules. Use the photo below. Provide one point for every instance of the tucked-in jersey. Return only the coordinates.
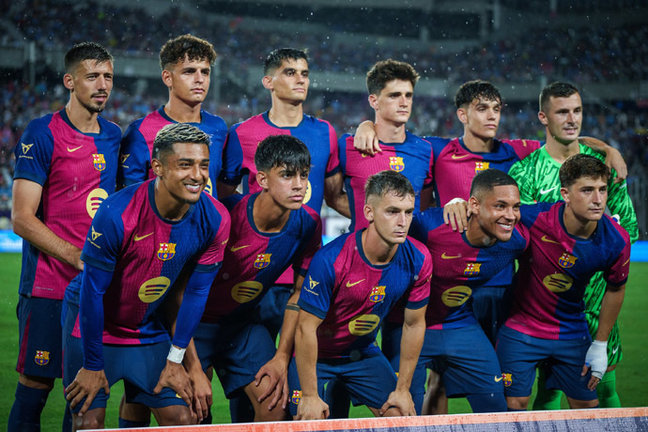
(352, 296)
(412, 158)
(455, 165)
(145, 254)
(77, 172)
(137, 146)
(254, 260)
(244, 138)
(554, 271)
(459, 267)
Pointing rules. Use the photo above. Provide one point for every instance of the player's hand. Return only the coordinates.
(277, 371)
(596, 359)
(75, 258)
(365, 139)
(456, 213)
(202, 398)
(614, 160)
(176, 378)
(86, 384)
(401, 400)
(312, 408)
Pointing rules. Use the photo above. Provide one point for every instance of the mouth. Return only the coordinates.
(506, 226)
(571, 130)
(297, 198)
(193, 188)
(100, 97)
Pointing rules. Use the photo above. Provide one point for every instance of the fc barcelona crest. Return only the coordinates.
(508, 379)
(42, 357)
(296, 397)
(481, 166)
(472, 269)
(396, 163)
(377, 293)
(262, 261)
(567, 260)
(166, 251)
(99, 162)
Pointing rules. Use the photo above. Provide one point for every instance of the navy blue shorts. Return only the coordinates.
(271, 308)
(39, 327)
(138, 365)
(236, 353)
(368, 380)
(562, 360)
(491, 306)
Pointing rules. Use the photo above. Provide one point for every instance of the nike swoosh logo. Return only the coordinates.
(234, 249)
(498, 379)
(546, 191)
(72, 150)
(614, 351)
(349, 284)
(454, 156)
(444, 256)
(138, 238)
(548, 240)
(627, 261)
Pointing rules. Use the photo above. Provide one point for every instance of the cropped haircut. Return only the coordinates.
(486, 181)
(177, 133)
(278, 56)
(388, 181)
(85, 51)
(582, 165)
(555, 89)
(476, 89)
(186, 46)
(282, 151)
(388, 70)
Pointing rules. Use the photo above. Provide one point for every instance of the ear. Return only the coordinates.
(564, 192)
(166, 78)
(473, 205)
(262, 179)
(68, 81)
(373, 101)
(462, 115)
(157, 167)
(543, 118)
(267, 82)
(368, 212)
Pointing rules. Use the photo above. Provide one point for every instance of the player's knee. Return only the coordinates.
(582, 404)
(264, 415)
(36, 382)
(174, 415)
(93, 419)
(517, 403)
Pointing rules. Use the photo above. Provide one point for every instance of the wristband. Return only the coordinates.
(176, 354)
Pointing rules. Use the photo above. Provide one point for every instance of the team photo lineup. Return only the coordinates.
(178, 250)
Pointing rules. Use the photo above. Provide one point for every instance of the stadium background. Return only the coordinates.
(520, 45)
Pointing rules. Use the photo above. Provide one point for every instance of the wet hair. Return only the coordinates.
(282, 151)
(177, 133)
(582, 165)
(486, 181)
(276, 58)
(555, 89)
(476, 89)
(186, 46)
(388, 70)
(388, 181)
(85, 51)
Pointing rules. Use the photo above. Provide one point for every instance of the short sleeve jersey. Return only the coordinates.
(137, 146)
(557, 267)
(244, 138)
(254, 260)
(352, 296)
(77, 172)
(412, 158)
(146, 253)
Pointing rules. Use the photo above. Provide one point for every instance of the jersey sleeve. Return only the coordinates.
(34, 153)
(105, 237)
(524, 147)
(617, 274)
(341, 151)
(621, 207)
(316, 292)
(231, 173)
(429, 177)
(524, 179)
(212, 257)
(134, 157)
(333, 165)
(419, 294)
(304, 259)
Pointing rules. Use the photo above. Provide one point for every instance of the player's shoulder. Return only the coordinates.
(212, 204)
(108, 128)
(336, 246)
(611, 225)
(40, 124)
(431, 217)
(250, 123)
(346, 139)
(310, 213)
(417, 246)
(211, 118)
(116, 202)
(529, 213)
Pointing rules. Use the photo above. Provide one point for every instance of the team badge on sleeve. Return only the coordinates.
(377, 293)
(567, 260)
(481, 166)
(42, 358)
(472, 269)
(99, 162)
(166, 251)
(262, 261)
(296, 397)
(396, 163)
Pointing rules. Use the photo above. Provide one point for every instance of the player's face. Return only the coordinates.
(481, 118)
(498, 212)
(188, 80)
(391, 216)
(394, 103)
(586, 198)
(286, 187)
(184, 173)
(563, 118)
(290, 81)
(91, 84)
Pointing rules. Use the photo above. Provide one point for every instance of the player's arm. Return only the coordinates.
(620, 204)
(335, 196)
(311, 406)
(366, 139)
(134, 158)
(411, 343)
(427, 197)
(26, 200)
(613, 157)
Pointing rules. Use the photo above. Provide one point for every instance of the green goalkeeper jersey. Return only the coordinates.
(538, 180)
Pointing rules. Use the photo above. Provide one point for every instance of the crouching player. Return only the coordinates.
(351, 285)
(140, 241)
(570, 241)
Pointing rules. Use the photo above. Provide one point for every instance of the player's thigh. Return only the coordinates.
(173, 415)
(325, 374)
(93, 419)
(565, 369)
(369, 380)
(518, 355)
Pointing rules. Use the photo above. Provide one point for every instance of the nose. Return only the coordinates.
(509, 213)
(102, 82)
(298, 182)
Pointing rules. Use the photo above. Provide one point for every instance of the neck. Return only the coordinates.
(388, 132)
(377, 251)
(478, 144)
(268, 216)
(167, 206)
(286, 114)
(181, 112)
(576, 226)
(560, 152)
(81, 118)
(476, 236)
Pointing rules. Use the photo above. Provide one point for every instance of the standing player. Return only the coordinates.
(391, 91)
(139, 242)
(66, 164)
(570, 241)
(274, 230)
(186, 63)
(561, 112)
(351, 285)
